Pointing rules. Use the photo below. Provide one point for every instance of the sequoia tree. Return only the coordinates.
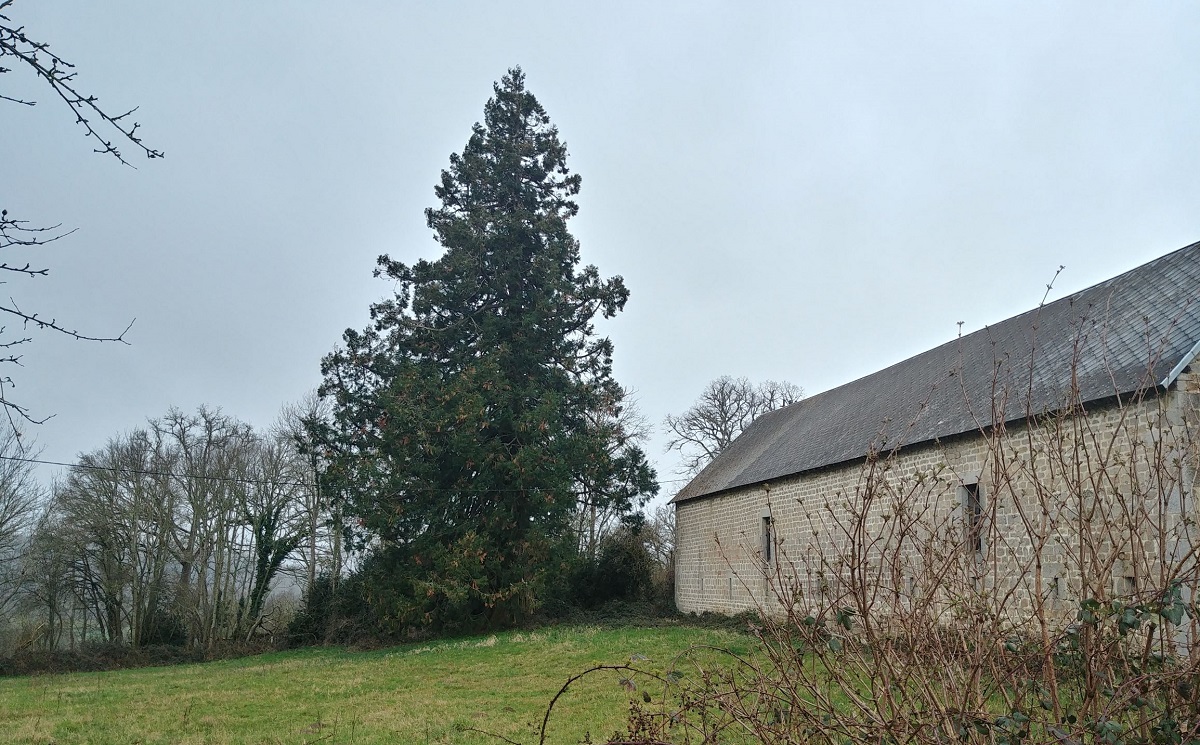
(464, 415)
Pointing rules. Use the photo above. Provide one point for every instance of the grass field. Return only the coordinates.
(423, 693)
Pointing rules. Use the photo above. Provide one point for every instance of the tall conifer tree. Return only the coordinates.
(462, 413)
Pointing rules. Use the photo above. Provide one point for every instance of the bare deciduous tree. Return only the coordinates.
(112, 525)
(725, 408)
(273, 501)
(299, 424)
(613, 487)
(46, 596)
(660, 535)
(173, 532)
(19, 496)
(205, 464)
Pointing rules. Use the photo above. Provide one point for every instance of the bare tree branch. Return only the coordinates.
(60, 75)
(106, 130)
(53, 325)
(725, 408)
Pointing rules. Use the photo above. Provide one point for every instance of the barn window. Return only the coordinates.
(768, 538)
(972, 502)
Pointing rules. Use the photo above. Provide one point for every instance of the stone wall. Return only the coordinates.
(1070, 506)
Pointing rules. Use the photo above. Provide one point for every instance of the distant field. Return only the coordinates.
(423, 693)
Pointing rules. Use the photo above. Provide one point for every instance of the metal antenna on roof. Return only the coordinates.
(960, 323)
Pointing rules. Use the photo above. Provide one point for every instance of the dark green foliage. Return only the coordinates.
(165, 629)
(354, 610)
(316, 619)
(465, 415)
(622, 570)
(98, 656)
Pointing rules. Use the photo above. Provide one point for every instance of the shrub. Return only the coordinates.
(622, 570)
(165, 629)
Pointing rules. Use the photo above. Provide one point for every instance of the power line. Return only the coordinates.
(208, 477)
(146, 472)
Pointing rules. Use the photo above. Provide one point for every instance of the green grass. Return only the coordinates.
(422, 693)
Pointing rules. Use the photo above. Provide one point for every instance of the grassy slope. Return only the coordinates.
(411, 694)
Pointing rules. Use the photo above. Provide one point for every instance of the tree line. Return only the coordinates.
(174, 533)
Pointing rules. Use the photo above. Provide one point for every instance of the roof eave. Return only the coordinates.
(1160, 388)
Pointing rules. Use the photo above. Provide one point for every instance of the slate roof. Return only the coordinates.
(1133, 332)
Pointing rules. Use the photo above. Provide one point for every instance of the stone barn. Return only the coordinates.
(1038, 461)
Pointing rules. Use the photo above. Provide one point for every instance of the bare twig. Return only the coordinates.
(60, 74)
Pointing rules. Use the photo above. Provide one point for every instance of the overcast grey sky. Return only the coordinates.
(794, 191)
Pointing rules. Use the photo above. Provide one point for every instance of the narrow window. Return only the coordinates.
(767, 538)
(972, 502)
